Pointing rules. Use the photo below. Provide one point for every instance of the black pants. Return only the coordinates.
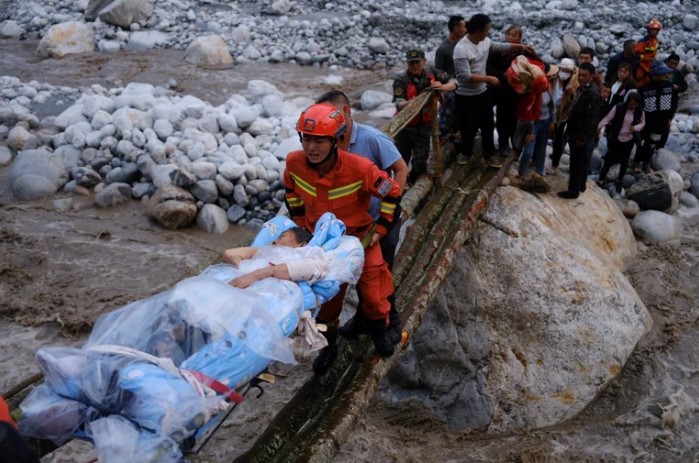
(579, 164)
(506, 119)
(413, 143)
(558, 143)
(619, 152)
(476, 112)
(652, 140)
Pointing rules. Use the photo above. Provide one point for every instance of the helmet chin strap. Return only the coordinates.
(332, 155)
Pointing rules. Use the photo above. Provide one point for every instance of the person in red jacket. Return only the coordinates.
(323, 178)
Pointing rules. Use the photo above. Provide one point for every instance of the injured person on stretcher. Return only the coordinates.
(146, 380)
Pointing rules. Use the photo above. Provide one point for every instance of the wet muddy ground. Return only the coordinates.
(64, 263)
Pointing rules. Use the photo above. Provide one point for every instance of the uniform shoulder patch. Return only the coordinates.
(398, 91)
(384, 187)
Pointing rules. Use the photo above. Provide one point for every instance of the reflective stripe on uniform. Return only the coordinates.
(387, 208)
(304, 185)
(295, 202)
(337, 193)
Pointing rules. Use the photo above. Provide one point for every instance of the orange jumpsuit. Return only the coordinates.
(346, 192)
(646, 50)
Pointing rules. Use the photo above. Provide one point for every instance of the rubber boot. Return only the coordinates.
(379, 334)
(355, 327)
(327, 355)
(394, 330)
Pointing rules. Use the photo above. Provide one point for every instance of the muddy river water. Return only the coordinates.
(64, 262)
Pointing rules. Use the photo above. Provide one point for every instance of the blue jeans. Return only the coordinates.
(537, 148)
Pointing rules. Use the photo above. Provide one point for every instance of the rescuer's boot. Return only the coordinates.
(380, 336)
(355, 327)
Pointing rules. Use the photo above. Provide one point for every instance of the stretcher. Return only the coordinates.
(157, 377)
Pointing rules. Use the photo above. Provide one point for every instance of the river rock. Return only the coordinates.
(258, 89)
(124, 13)
(210, 50)
(571, 46)
(652, 191)
(113, 194)
(378, 45)
(5, 155)
(37, 173)
(260, 126)
(125, 174)
(280, 7)
(11, 30)
(235, 213)
(213, 219)
(231, 170)
(694, 184)
(690, 22)
(666, 159)
(629, 208)
(205, 191)
(20, 138)
(687, 199)
(94, 7)
(86, 177)
(548, 320)
(66, 38)
(147, 40)
(172, 207)
(656, 226)
(372, 99)
(558, 51)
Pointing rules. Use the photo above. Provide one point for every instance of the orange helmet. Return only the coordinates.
(654, 24)
(322, 120)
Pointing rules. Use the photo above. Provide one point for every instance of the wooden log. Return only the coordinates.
(405, 115)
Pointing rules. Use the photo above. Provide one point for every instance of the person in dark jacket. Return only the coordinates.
(660, 104)
(622, 124)
(679, 84)
(628, 55)
(582, 131)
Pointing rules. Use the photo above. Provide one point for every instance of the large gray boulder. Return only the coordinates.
(37, 173)
(535, 318)
(172, 207)
(65, 39)
(123, 13)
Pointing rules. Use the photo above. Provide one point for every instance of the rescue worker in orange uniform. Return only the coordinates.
(323, 178)
(647, 51)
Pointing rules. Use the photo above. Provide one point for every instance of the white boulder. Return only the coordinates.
(209, 50)
(66, 38)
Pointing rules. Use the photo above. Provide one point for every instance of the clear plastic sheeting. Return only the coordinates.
(134, 388)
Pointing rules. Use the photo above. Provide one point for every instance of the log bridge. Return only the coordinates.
(318, 420)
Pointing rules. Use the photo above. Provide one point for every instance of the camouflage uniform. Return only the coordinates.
(413, 141)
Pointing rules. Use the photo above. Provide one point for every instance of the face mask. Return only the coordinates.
(564, 75)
